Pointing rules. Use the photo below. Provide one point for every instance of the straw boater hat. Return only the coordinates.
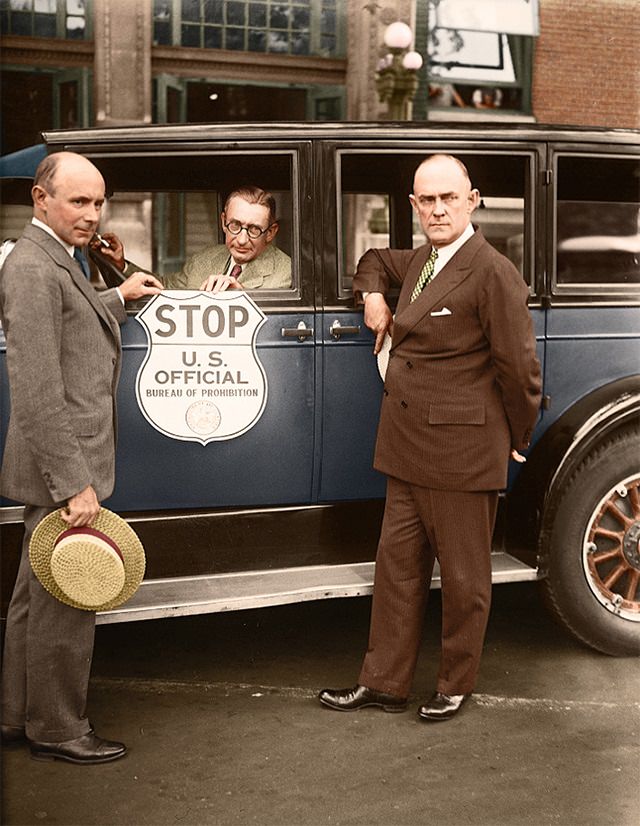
(93, 568)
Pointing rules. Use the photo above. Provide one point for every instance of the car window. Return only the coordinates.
(376, 212)
(166, 210)
(598, 222)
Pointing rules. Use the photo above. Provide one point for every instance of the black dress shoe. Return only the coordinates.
(86, 749)
(442, 706)
(351, 699)
(12, 734)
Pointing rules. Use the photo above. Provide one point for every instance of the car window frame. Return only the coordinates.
(535, 152)
(606, 294)
(302, 293)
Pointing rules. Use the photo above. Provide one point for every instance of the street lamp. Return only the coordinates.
(397, 72)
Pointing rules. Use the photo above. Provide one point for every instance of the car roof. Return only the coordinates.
(343, 131)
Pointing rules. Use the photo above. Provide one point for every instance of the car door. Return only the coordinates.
(373, 210)
(165, 205)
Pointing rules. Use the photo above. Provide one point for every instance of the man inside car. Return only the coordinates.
(248, 260)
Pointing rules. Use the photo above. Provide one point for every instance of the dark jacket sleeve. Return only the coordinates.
(508, 326)
(379, 270)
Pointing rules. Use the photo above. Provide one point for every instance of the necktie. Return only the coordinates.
(426, 275)
(235, 272)
(81, 259)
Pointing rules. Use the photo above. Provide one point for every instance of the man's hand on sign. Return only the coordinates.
(138, 285)
(219, 283)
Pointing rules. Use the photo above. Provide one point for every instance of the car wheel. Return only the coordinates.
(593, 554)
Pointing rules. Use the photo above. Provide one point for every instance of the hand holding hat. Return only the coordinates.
(93, 568)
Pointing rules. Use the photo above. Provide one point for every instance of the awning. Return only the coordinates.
(502, 16)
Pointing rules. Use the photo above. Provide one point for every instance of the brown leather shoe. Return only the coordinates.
(442, 706)
(351, 699)
(86, 749)
(12, 734)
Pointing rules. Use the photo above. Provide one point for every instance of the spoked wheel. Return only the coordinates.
(611, 550)
(592, 556)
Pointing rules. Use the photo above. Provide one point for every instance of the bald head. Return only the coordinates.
(68, 194)
(443, 198)
(62, 163)
(442, 162)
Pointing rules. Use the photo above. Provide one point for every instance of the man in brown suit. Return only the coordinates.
(63, 361)
(461, 395)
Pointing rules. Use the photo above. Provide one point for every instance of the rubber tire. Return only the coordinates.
(565, 588)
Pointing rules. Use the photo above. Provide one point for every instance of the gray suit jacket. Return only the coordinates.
(63, 361)
(270, 271)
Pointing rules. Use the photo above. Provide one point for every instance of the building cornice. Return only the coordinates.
(45, 52)
(218, 64)
(215, 64)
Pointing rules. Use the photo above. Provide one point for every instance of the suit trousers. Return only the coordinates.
(421, 525)
(47, 655)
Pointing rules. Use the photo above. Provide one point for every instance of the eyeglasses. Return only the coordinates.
(252, 230)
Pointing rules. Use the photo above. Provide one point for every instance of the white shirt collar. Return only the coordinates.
(446, 253)
(68, 247)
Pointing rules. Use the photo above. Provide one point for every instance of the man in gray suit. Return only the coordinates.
(248, 260)
(63, 361)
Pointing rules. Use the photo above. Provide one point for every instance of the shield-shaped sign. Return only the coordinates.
(201, 379)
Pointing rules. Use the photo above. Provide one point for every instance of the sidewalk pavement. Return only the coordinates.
(551, 737)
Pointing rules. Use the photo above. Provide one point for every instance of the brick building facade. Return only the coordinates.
(582, 69)
(587, 63)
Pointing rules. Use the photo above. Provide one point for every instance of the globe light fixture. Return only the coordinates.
(398, 36)
(412, 61)
(397, 71)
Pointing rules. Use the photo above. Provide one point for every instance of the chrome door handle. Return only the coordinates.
(301, 332)
(336, 330)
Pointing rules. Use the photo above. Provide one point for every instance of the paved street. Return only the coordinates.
(220, 717)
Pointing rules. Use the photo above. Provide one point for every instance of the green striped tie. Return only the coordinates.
(426, 275)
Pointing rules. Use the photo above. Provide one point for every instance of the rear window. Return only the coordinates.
(597, 223)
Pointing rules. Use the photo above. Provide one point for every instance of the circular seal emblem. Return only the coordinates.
(203, 417)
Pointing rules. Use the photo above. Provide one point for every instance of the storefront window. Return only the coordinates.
(67, 19)
(301, 27)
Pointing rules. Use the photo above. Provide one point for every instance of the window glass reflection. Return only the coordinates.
(75, 27)
(44, 25)
(598, 221)
(287, 27)
(191, 10)
(44, 18)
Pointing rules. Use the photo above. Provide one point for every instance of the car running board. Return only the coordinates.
(182, 596)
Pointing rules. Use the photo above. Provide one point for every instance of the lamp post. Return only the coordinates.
(397, 73)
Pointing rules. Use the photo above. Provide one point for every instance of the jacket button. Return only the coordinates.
(409, 365)
(385, 391)
(404, 404)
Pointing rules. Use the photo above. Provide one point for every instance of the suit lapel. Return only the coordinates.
(59, 255)
(258, 269)
(413, 273)
(452, 274)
